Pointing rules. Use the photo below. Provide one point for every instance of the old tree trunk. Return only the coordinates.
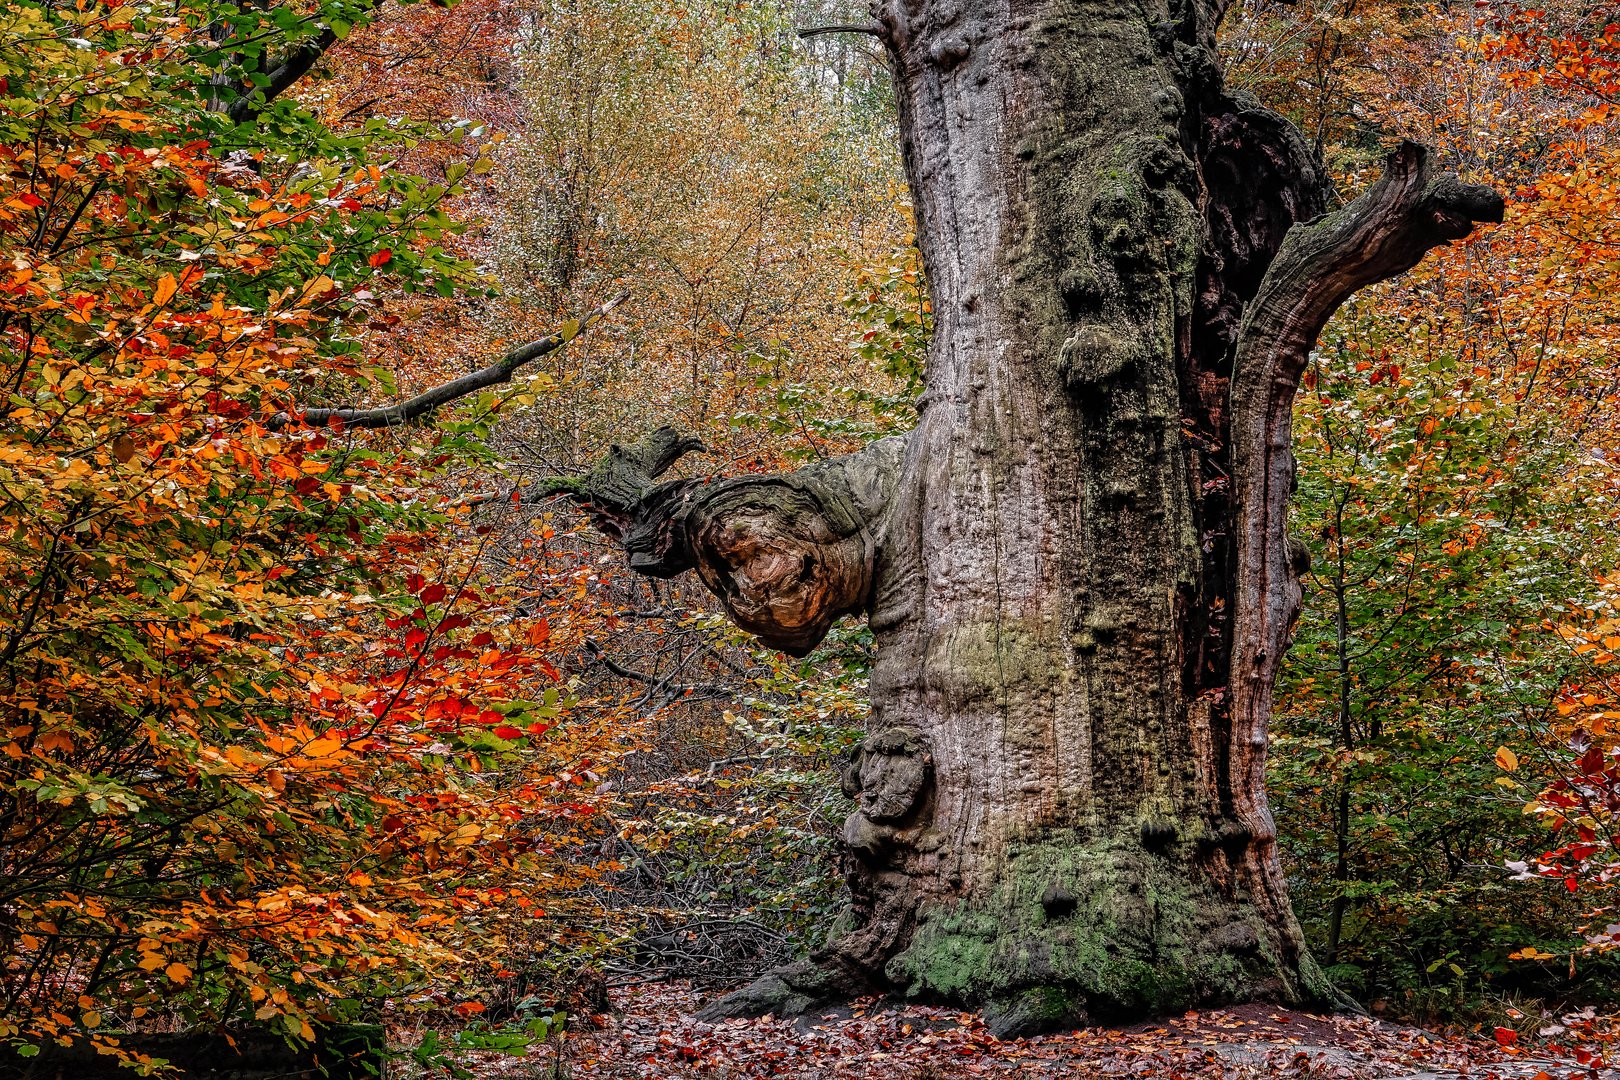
(1075, 568)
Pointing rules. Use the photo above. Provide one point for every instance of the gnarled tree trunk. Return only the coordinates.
(1075, 567)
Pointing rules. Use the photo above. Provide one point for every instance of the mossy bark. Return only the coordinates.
(1076, 570)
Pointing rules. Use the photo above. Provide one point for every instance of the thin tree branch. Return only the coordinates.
(841, 28)
(255, 99)
(425, 403)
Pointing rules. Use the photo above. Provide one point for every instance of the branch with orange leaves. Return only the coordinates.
(426, 403)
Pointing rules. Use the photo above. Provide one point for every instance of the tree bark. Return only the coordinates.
(1075, 568)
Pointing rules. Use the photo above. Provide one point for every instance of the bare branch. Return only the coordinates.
(873, 29)
(427, 402)
(1323, 262)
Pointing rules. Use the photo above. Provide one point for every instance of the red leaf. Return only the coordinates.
(1506, 1036)
(30, 200)
(380, 258)
(432, 594)
(507, 731)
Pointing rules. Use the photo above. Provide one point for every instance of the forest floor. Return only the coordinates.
(652, 1034)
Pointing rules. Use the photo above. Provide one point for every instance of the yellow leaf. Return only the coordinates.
(91, 1020)
(166, 288)
(178, 972)
(1507, 759)
(151, 961)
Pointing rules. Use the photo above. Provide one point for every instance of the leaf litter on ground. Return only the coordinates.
(653, 1034)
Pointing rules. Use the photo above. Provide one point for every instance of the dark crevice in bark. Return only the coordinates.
(1259, 178)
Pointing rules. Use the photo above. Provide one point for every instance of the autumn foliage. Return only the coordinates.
(257, 686)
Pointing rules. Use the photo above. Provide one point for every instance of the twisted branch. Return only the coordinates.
(1320, 265)
(786, 554)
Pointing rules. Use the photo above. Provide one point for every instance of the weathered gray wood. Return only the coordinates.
(787, 555)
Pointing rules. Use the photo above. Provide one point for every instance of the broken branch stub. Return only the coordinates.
(787, 554)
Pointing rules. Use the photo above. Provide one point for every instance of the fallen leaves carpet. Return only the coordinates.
(653, 1035)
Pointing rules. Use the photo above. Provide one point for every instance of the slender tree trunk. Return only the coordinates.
(1075, 568)
(1347, 735)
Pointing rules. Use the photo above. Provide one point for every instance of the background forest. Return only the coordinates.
(307, 723)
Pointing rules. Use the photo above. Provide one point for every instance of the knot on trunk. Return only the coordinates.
(1096, 353)
(889, 777)
(779, 560)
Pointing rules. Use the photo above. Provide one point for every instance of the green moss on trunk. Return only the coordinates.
(1078, 927)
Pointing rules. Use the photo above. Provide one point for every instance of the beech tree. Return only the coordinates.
(1075, 568)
